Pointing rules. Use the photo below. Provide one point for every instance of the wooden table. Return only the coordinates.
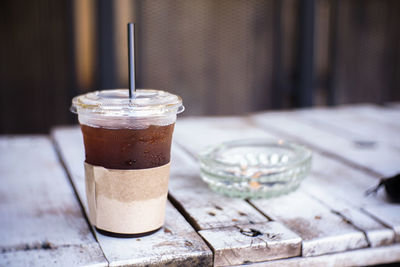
(328, 221)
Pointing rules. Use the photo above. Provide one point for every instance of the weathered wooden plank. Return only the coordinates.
(203, 207)
(62, 256)
(347, 183)
(210, 130)
(356, 126)
(177, 243)
(360, 257)
(195, 133)
(388, 214)
(39, 210)
(342, 189)
(382, 159)
(251, 243)
(321, 230)
(211, 211)
(388, 115)
(377, 234)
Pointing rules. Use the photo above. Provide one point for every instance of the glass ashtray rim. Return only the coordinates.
(206, 156)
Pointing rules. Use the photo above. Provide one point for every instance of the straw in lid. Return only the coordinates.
(116, 102)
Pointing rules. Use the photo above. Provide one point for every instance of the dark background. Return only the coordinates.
(222, 56)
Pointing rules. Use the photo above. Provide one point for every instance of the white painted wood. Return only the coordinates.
(84, 255)
(211, 130)
(38, 208)
(355, 126)
(381, 159)
(388, 115)
(347, 183)
(321, 230)
(205, 208)
(360, 257)
(388, 214)
(199, 132)
(376, 233)
(69, 142)
(176, 243)
(342, 189)
(252, 243)
(182, 163)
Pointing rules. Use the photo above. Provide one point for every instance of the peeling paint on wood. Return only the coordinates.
(251, 243)
(353, 187)
(381, 159)
(83, 255)
(177, 243)
(318, 238)
(389, 214)
(360, 257)
(39, 213)
(205, 208)
(321, 230)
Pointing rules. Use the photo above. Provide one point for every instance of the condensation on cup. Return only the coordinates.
(127, 157)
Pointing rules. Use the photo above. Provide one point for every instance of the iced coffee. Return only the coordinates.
(127, 157)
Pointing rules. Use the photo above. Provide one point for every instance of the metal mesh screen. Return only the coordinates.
(216, 54)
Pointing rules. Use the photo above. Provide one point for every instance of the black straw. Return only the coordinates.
(131, 52)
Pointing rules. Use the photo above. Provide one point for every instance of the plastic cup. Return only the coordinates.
(127, 157)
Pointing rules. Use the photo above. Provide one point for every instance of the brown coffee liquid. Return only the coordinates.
(128, 148)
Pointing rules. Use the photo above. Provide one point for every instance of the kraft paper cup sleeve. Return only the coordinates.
(127, 201)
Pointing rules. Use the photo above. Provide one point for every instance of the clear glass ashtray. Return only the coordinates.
(255, 168)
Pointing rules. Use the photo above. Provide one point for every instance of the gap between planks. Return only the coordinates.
(68, 175)
(222, 129)
(287, 124)
(176, 243)
(359, 257)
(43, 217)
(215, 216)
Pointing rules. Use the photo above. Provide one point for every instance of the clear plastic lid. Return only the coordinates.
(116, 102)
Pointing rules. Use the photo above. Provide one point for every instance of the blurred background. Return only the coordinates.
(222, 56)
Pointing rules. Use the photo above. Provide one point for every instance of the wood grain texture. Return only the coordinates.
(175, 244)
(39, 210)
(342, 189)
(376, 161)
(388, 214)
(374, 112)
(203, 207)
(83, 255)
(193, 134)
(381, 160)
(359, 257)
(321, 230)
(349, 183)
(377, 234)
(196, 133)
(251, 243)
(356, 126)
